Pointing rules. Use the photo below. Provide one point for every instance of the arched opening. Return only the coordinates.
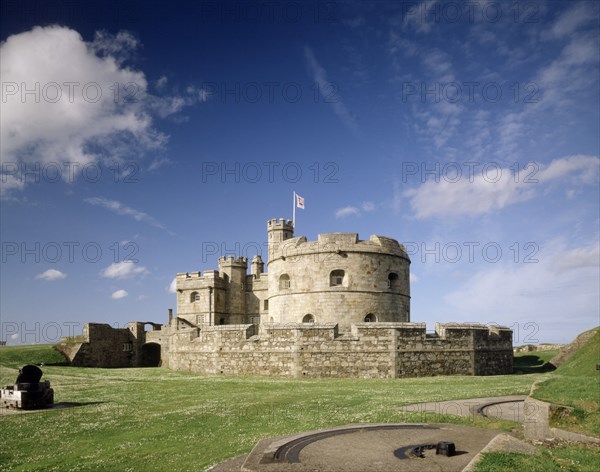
(308, 318)
(370, 318)
(393, 280)
(194, 297)
(337, 278)
(151, 355)
(284, 282)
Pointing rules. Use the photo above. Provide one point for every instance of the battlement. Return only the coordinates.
(340, 242)
(280, 223)
(207, 274)
(382, 350)
(241, 261)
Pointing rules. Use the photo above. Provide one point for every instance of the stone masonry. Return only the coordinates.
(335, 307)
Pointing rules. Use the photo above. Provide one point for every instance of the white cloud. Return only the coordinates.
(74, 113)
(419, 16)
(352, 210)
(172, 286)
(121, 209)
(51, 274)
(413, 278)
(329, 91)
(587, 256)
(496, 189)
(123, 270)
(556, 295)
(570, 21)
(346, 211)
(60, 126)
(119, 294)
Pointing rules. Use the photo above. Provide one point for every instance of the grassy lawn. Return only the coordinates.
(156, 419)
(533, 362)
(173, 420)
(548, 459)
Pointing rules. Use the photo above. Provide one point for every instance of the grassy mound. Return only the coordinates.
(576, 383)
(533, 361)
(18, 356)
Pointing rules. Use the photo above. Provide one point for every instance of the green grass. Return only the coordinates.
(576, 383)
(532, 362)
(18, 356)
(548, 459)
(158, 419)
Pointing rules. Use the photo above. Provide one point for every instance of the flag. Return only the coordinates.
(299, 201)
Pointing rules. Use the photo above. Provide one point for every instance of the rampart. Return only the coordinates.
(370, 350)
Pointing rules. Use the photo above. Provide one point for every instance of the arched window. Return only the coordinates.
(308, 318)
(393, 280)
(336, 278)
(370, 318)
(284, 282)
(194, 297)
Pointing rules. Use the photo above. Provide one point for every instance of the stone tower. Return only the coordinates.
(233, 271)
(278, 231)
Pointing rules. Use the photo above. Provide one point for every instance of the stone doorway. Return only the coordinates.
(151, 355)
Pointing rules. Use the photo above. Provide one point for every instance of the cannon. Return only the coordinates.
(28, 393)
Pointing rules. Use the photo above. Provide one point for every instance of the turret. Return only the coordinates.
(257, 266)
(232, 269)
(278, 231)
(234, 272)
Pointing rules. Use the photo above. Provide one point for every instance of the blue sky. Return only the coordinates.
(141, 139)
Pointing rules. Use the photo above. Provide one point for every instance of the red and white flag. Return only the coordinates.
(299, 201)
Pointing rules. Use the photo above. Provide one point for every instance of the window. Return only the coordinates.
(222, 321)
(308, 318)
(284, 282)
(127, 347)
(194, 297)
(393, 280)
(370, 318)
(336, 278)
(266, 305)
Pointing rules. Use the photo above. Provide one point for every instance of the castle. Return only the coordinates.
(335, 307)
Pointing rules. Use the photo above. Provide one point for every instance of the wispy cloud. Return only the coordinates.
(123, 270)
(353, 210)
(549, 297)
(51, 275)
(329, 91)
(419, 16)
(172, 288)
(123, 210)
(485, 193)
(119, 294)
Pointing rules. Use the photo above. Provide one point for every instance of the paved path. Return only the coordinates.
(506, 408)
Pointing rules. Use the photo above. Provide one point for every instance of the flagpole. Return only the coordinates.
(294, 212)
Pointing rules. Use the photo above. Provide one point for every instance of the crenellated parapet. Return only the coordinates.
(381, 350)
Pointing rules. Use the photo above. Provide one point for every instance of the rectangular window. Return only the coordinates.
(266, 305)
(127, 347)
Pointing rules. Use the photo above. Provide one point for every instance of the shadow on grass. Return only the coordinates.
(531, 364)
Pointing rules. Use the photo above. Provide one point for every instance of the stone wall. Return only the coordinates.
(101, 345)
(375, 280)
(370, 350)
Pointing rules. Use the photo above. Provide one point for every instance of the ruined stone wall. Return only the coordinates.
(101, 345)
(370, 350)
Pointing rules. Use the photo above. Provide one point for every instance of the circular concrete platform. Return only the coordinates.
(358, 448)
